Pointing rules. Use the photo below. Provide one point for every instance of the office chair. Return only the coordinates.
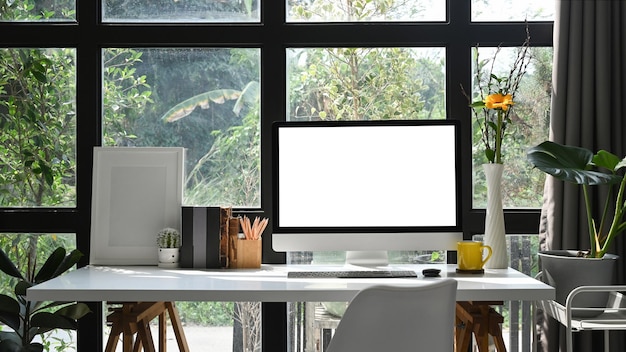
(611, 317)
(399, 319)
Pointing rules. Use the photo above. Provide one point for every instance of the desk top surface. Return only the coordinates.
(268, 284)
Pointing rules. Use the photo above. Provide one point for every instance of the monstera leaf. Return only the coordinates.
(574, 164)
(583, 167)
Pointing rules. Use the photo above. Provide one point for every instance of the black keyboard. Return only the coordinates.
(352, 274)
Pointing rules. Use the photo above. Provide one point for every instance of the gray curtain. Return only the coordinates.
(589, 110)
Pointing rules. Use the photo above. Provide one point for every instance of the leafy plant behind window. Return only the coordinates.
(37, 117)
(203, 99)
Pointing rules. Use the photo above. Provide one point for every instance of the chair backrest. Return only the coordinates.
(399, 318)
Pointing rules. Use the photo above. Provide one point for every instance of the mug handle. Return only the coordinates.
(489, 253)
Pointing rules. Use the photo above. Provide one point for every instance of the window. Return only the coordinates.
(512, 10)
(365, 11)
(38, 118)
(203, 99)
(365, 83)
(108, 73)
(121, 11)
(522, 186)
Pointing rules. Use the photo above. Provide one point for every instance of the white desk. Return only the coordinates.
(268, 284)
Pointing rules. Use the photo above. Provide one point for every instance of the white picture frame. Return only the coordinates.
(136, 192)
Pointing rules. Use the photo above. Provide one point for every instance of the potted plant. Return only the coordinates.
(168, 240)
(28, 319)
(593, 266)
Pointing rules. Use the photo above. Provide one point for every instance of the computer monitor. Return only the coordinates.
(366, 187)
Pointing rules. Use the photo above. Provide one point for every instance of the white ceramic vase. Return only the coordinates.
(494, 220)
(168, 257)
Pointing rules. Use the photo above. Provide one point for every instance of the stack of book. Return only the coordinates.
(205, 232)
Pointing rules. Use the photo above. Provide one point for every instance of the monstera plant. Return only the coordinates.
(566, 269)
(27, 319)
(582, 167)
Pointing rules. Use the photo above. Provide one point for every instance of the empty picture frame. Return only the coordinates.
(136, 192)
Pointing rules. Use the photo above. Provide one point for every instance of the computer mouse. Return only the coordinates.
(431, 272)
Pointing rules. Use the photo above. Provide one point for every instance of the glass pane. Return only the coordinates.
(35, 11)
(206, 100)
(212, 326)
(38, 122)
(366, 10)
(366, 83)
(522, 185)
(23, 250)
(512, 10)
(168, 11)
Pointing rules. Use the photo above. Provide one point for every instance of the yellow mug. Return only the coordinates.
(471, 255)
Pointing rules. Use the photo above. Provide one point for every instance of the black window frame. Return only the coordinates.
(272, 35)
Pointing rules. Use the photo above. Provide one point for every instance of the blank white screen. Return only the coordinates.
(367, 176)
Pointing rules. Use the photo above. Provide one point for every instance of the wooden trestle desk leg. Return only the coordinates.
(480, 319)
(134, 318)
(177, 327)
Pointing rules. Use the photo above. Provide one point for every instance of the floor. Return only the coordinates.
(199, 338)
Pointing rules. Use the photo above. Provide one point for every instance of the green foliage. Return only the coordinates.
(219, 149)
(37, 117)
(362, 83)
(26, 250)
(28, 319)
(233, 162)
(33, 10)
(38, 120)
(206, 313)
(125, 96)
(357, 84)
(581, 166)
(355, 10)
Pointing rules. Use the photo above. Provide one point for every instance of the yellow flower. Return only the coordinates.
(499, 101)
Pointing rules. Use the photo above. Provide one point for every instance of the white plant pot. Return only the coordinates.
(168, 257)
(494, 219)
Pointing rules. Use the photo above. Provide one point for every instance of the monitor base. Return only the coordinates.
(368, 258)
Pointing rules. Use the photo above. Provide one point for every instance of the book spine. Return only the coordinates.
(186, 250)
(212, 238)
(199, 237)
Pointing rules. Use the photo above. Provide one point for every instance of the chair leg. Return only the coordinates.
(569, 339)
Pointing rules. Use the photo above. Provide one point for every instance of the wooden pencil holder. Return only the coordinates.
(246, 254)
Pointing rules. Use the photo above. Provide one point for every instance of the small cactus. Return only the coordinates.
(168, 238)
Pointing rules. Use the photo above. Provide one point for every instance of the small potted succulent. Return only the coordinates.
(169, 242)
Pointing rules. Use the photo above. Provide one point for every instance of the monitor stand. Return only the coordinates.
(367, 258)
